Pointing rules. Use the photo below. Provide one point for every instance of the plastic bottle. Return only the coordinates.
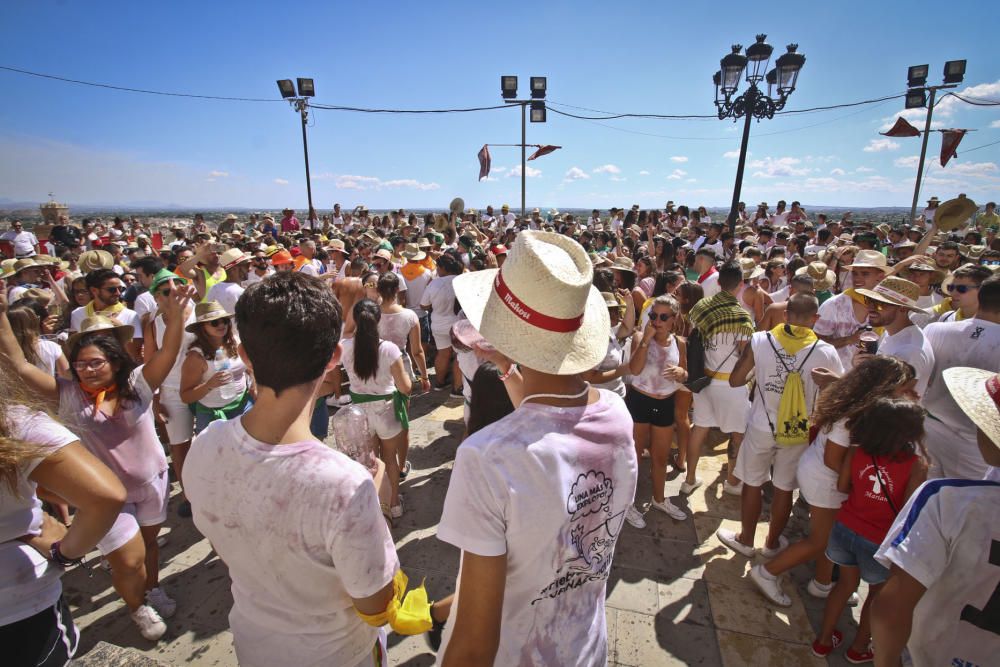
(227, 391)
(353, 436)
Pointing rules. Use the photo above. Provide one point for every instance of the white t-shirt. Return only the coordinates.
(382, 383)
(548, 487)
(710, 285)
(28, 584)
(415, 291)
(440, 296)
(252, 277)
(650, 379)
(24, 242)
(947, 537)
(300, 529)
(173, 381)
(227, 294)
(836, 319)
(145, 304)
(911, 346)
(396, 327)
(509, 219)
(125, 316)
(771, 375)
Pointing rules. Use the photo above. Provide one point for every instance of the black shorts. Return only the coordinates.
(46, 639)
(648, 410)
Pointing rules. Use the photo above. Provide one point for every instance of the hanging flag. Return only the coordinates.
(543, 150)
(902, 128)
(484, 161)
(950, 139)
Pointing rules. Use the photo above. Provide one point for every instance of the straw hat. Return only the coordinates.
(977, 392)
(7, 268)
(598, 260)
(93, 260)
(927, 264)
(869, 259)
(123, 332)
(206, 311)
(423, 243)
(823, 277)
(954, 213)
(623, 264)
(232, 257)
(611, 301)
(231, 216)
(540, 309)
(413, 253)
(895, 291)
(382, 253)
(970, 251)
(750, 268)
(26, 263)
(337, 245)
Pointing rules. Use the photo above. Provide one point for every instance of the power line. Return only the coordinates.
(327, 107)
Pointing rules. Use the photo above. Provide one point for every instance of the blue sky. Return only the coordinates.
(91, 145)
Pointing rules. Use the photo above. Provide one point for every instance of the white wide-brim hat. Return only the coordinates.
(977, 392)
(541, 308)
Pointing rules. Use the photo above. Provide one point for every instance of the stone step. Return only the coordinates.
(109, 655)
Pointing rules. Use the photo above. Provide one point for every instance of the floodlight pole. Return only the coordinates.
(301, 104)
(923, 148)
(524, 162)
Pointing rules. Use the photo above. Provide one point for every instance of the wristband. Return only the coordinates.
(61, 560)
(510, 371)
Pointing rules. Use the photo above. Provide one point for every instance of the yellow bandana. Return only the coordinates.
(859, 298)
(795, 338)
(110, 311)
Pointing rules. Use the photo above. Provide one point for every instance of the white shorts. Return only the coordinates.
(442, 339)
(382, 419)
(817, 483)
(180, 419)
(146, 506)
(761, 459)
(723, 407)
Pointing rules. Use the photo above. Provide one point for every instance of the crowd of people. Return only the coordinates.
(849, 364)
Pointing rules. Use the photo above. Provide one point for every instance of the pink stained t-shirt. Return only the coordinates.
(125, 442)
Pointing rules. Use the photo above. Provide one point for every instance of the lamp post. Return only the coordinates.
(916, 97)
(300, 103)
(508, 90)
(753, 103)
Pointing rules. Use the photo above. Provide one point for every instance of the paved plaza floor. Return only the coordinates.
(676, 595)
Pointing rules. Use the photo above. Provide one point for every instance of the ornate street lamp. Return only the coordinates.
(753, 103)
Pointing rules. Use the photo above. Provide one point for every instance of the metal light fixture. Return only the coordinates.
(286, 87)
(538, 85)
(732, 69)
(758, 56)
(916, 99)
(538, 112)
(306, 88)
(954, 71)
(717, 80)
(508, 87)
(916, 75)
(788, 66)
(772, 81)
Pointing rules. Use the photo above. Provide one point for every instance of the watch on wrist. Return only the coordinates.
(59, 559)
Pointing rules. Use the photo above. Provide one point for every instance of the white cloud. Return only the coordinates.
(945, 106)
(618, 179)
(908, 162)
(354, 182)
(770, 167)
(995, 124)
(973, 168)
(531, 172)
(498, 170)
(679, 158)
(575, 174)
(644, 173)
(865, 170)
(280, 181)
(731, 155)
(218, 174)
(607, 169)
(837, 172)
(691, 180)
(879, 145)
(676, 175)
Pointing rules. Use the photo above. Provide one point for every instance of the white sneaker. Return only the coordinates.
(854, 600)
(164, 605)
(771, 553)
(151, 626)
(396, 511)
(769, 586)
(331, 401)
(669, 509)
(634, 517)
(687, 488)
(732, 489)
(162, 540)
(343, 400)
(818, 590)
(728, 537)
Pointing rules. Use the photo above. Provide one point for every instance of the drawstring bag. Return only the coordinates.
(793, 414)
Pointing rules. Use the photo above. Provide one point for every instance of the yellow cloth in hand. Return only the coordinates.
(407, 613)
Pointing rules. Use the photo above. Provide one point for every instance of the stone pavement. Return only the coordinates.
(676, 595)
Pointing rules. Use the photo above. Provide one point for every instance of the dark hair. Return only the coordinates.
(824, 234)
(489, 402)
(388, 285)
(290, 325)
(664, 281)
(149, 265)
(690, 293)
(730, 276)
(974, 272)
(366, 339)
(96, 279)
(604, 280)
(847, 396)
(113, 351)
(889, 427)
(948, 245)
(449, 264)
(627, 278)
(989, 294)
(794, 265)
(26, 325)
(202, 343)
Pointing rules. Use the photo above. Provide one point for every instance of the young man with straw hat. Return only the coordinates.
(227, 292)
(972, 342)
(537, 500)
(890, 304)
(940, 601)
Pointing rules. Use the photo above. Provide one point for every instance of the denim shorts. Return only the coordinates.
(849, 549)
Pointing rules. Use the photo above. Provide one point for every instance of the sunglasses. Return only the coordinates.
(663, 317)
(370, 285)
(165, 292)
(221, 322)
(877, 306)
(962, 289)
(116, 288)
(91, 365)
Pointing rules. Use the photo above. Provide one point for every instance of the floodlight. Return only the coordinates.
(916, 76)
(306, 88)
(508, 87)
(954, 71)
(538, 85)
(916, 99)
(538, 112)
(286, 87)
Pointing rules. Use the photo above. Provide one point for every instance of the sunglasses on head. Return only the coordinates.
(962, 289)
(663, 317)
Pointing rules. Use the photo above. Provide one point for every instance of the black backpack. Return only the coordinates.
(697, 379)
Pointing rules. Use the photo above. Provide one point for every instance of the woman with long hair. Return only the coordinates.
(774, 275)
(36, 627)
(837, 407)
(44, 354)
(439, 300)
(79, 296)
(381, 386)
(109, 404)
(687, 294)
(214, 378)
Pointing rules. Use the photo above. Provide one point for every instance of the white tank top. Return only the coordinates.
(224, 395)
(651, 380)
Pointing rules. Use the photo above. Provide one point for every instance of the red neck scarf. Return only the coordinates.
(705, 275)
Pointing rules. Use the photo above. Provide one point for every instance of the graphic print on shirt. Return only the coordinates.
(876, 477)
(593, 531)
(987, 618)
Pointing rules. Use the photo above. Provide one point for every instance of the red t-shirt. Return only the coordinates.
(867, 511)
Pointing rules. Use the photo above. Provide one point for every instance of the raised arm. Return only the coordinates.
(174, 313)
(37, 380)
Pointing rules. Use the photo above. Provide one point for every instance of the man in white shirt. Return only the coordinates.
(228, 291)
(780, 216)
(973, 342)
(489, 220)
(890, 304)
(106, 289)
(25, 243)
(929, 212)
(708, 275)
(338, 217)
(146, 269)
(940, 601)
(508, 218)
(842, 318)
(306, 262)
